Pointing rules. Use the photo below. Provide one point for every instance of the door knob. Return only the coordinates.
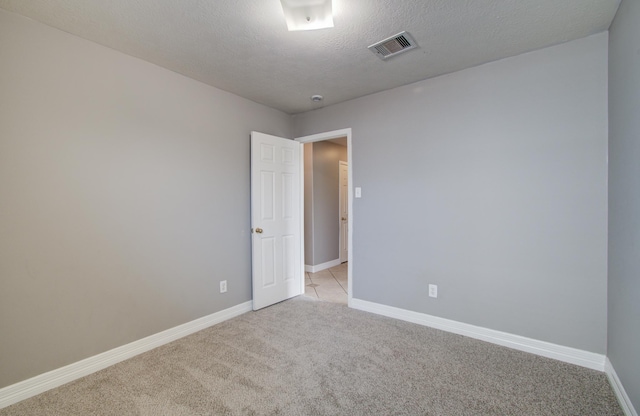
(259, 230)
(344, 218)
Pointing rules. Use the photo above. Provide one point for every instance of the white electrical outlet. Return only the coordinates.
(433, 291)
(223, 286)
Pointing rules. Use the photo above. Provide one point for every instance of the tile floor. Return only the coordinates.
(329, 284)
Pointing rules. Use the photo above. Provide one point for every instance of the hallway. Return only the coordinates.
(330, 285)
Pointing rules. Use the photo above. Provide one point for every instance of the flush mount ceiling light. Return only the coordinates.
(307, 14)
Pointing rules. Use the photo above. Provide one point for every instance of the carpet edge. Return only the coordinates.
(25, 389)
(569, 355)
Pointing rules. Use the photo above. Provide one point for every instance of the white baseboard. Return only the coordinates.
(323, 266)
(546, 349)
(621, 394)
(43, 382)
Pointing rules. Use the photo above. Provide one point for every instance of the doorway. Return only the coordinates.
(333, 271)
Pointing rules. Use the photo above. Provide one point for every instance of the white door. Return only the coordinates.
(344, 211)
(275, 219)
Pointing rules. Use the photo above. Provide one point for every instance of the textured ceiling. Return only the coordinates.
(243, 46)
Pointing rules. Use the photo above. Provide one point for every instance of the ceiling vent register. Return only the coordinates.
(393, 46)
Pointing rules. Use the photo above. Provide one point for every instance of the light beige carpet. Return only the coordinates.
(307, 357)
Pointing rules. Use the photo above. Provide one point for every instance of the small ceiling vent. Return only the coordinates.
(393, 46)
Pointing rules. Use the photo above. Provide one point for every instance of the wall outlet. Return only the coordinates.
(433, 291)
(223, 286)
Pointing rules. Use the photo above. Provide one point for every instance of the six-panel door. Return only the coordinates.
(275, 219)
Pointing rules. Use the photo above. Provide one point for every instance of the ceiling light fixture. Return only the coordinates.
(316, 98)
(307, 14)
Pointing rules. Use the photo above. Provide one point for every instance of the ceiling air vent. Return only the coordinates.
(394, 45)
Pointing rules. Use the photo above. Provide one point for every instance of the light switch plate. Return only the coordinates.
(433, 291)
(358, 192)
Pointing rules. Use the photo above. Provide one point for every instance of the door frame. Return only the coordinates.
(335, 134)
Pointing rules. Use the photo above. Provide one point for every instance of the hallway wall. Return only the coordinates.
(322, 233)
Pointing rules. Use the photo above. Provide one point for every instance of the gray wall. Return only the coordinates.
(492, 183)
(624, 197)
(323, 233)
(124, 198)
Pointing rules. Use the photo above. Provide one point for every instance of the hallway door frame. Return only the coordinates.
(335, 134)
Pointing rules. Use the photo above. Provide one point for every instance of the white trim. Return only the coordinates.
(323, 266)
(43, 382)
(546, 349)
(335, 134)
(618, 389)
